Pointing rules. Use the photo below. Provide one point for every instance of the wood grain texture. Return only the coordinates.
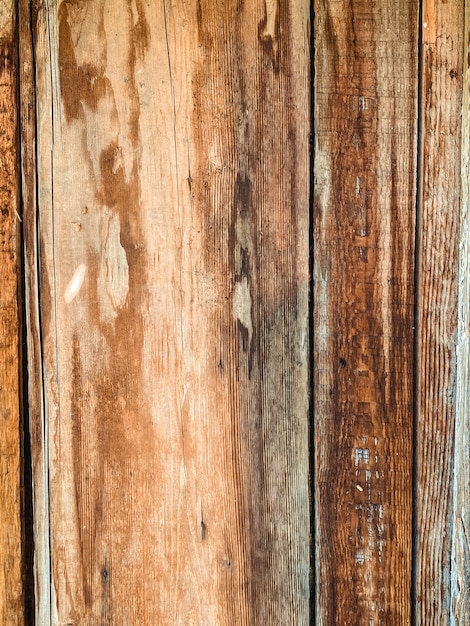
(364, 228)
(460, 587)
(173, 267)
(442, 67)
(35, 390)
(11, 486)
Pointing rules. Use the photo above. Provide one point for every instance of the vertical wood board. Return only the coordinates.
(34, 365)
(460, 588)
(173, 268)
(365, 110)
(11, 487)
(442, 68)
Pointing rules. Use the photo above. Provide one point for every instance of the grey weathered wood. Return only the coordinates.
(460, 588)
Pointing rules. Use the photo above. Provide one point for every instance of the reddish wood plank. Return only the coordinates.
(11, 487)
(442, 70)
(173, 230)
(364, 227)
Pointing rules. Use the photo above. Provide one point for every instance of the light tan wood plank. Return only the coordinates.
(11, 487)
(173, 211)
(460, 589)
(364, 226)
(442, 68)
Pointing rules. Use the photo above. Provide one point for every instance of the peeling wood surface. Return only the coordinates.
(366, 62)
(442, 69)
(11, 487)
(173, 177)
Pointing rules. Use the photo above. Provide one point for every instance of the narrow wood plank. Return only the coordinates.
(461, 523)
(442, 68)
(11, 488)
(35, 391)
(173, 230)
(364, 228)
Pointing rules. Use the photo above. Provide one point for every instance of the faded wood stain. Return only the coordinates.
(174, 318)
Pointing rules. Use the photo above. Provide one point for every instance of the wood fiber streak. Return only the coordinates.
(442, 69)
(365, 96)
(172, 186)
(11, 486)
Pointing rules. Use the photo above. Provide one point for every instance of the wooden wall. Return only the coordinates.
(245, 269)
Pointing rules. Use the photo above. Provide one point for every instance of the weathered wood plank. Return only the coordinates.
(442, 67)
(11, 487)
(461, 523)
(39, 451)
(173, 228)
(364, 227)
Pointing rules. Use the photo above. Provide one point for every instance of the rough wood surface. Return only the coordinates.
(11, 500)
(173, 265)
(442, 67)
(364, 228)
(36, 415)
(460, 588)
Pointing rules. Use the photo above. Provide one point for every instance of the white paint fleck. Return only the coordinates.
(361, 557)
(359, 488)
(75, 283)
(363, 106)
(361, 455)
(358, 186)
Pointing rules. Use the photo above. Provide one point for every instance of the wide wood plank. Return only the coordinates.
(442, 68)
(11, 486)
(364, 228)
(173, 265)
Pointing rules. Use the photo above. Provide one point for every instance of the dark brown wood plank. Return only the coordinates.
(11, 485)
(173, 267)
(364, 227)
(442, 72)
